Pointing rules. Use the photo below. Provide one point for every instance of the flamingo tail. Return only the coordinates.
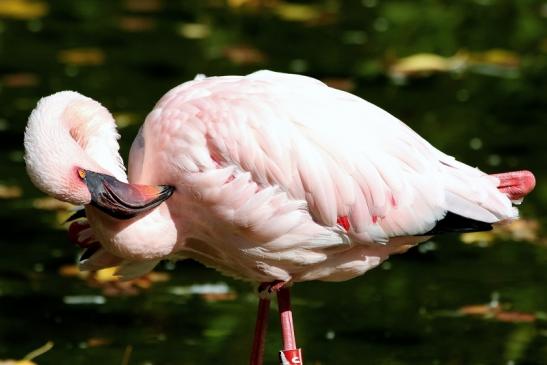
(515, 185)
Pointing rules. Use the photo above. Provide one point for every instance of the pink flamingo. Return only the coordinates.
(273, 178)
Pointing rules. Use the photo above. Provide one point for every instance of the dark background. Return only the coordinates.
(470, 76)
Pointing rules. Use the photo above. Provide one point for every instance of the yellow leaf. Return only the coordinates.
(421, 63)
(251, 3)
(33, 354)
(126, 119)
(498, 57)
(105, 275)
(298, 12)
(158, 277)
(23, 9)
(194, 30)
(48, 203)
(82, 56)
(72, 271)
(10, 192)
(236, 3)
(478, 237)
(520, 230)
(244, 55)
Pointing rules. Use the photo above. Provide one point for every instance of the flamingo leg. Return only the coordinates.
(257, 354)
(290, 355)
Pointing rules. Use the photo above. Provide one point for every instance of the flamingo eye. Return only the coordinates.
(81, 173)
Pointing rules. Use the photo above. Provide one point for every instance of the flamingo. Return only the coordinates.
(272, 178)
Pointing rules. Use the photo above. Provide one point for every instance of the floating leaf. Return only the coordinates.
(127, 355)
(126, 119)
(23, 9)
(136, 23)
(520, 230)
(476, 310)
(111, 285)
(219, 297)
(236, 3)
(496, 62)
(98, 341)
(27, 360)
(22, 79)
(498, 57)
(105, 275)
(244, 54)
(340, 83)
(505, 316)
(481, 238)
(194, 30)
(157, 277)
(72, 271)
(143, 5)
(310, 14)
(82, 56)
(63, 209)
(496, 312)
(240, 3)
(49, 203)
(10, 192)
(526, 230)
(421, 64)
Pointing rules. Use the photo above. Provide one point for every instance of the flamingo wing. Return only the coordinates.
(273, 145)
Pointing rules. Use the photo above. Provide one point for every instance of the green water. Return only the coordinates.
(489, 113)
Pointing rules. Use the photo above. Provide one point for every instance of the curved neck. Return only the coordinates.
(92, 127)
(67, 131)
(145, 237)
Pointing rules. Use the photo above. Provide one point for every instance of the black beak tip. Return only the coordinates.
(122, 200)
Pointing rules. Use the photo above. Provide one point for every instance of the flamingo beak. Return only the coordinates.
(121, 200)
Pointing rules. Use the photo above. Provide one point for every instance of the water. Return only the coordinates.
(482, 100)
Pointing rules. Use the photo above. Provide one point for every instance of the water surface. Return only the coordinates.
(479, 95)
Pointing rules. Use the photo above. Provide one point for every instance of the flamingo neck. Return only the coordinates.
(67, 131)
(145, 237)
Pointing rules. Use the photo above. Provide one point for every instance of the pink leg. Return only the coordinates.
(285, 314)
(257, 354)
(290, 355)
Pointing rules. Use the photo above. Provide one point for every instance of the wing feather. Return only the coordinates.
(339, 154)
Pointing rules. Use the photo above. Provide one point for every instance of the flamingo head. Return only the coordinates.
(71, 153)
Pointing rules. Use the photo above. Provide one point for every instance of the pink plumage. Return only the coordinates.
(517, 184)
(270, 177)
(275, 177)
